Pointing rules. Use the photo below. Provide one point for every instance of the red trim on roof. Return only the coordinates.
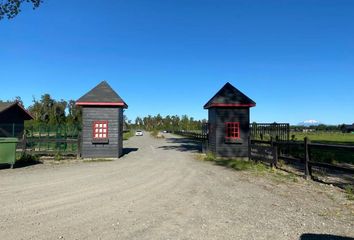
(230, 105)
(100, 104)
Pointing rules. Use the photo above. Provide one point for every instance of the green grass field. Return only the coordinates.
(326, 137)
(326, 155)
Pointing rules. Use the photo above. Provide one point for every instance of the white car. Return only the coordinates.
(139, 133)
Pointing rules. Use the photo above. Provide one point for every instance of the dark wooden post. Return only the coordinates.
(273, 147)
(249, 148)
(275, 156)
(39, 143)
(307, 159)
(78, 145)
(24, 143)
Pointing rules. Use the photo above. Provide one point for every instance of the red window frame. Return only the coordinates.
(100, 129)
(232, 130)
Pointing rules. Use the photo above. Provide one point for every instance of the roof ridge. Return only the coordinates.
(229, 96)
(101, 95)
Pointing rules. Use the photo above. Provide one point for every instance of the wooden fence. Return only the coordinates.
(271, 151)
(281, 151)
(194, 135)
(267, 131)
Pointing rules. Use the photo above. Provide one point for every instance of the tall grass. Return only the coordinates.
(256, 168)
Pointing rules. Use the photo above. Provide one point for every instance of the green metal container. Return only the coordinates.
(8, 150)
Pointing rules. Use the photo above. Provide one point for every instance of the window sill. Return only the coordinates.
(233, 141)
(100, 141)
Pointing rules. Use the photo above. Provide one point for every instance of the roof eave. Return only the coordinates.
(29, 115)
(229, 105)
(115, 104)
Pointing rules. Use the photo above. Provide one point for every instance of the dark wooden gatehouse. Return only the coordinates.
(102, 122)
(12, 118)
(229, 122)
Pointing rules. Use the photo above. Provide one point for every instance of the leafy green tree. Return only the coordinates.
(35, 110)
(74, 113)
(10, 8)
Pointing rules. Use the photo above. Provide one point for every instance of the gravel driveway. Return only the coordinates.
(159, 190)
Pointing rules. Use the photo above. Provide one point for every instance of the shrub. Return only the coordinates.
(58, 156)
(349, 190)
(27, 159)
(209, 157)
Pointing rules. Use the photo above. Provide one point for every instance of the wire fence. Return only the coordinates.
(51, 140)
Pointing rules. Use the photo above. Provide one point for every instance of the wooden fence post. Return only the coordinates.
(275, 156)
(78, 145)
(249, 148)
(24, 143)
(307, 159)
(272, 145)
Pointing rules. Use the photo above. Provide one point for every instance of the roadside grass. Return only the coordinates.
(26, 159)
(256, 168)
(349, 191)
(127, 135)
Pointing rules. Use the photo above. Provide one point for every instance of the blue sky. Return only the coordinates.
(294, 58)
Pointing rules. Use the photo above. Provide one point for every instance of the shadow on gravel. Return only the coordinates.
(312, 236)
(20, 164)
(126, 151)
(183, 145)
(329, 177)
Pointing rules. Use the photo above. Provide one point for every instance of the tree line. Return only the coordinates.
(320, 128)
(47, 111)
(50, 112)
(168, 123)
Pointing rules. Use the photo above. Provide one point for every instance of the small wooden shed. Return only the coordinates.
(12, 118)
(102, 122)
(229, 122)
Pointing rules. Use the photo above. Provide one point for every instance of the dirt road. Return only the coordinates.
(160, 191)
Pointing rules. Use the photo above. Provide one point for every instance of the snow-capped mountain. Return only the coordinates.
(310, 122)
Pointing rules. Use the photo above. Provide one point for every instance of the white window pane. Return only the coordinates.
(104, 135)
(104, 130)
(96, 135)
(100, 130)
(100, 125)
(96, 125)
(100, 135)
(104, 125)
